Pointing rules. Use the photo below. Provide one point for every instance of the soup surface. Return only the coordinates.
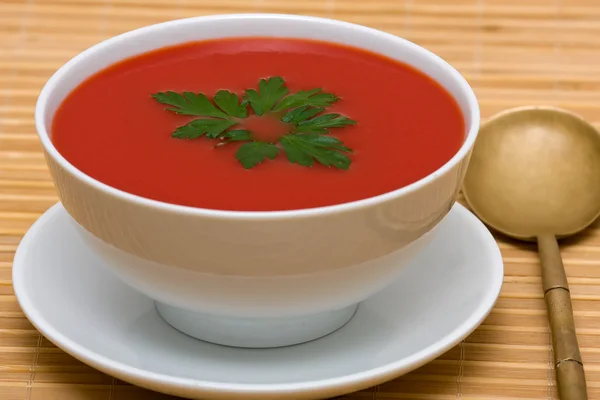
(111, 128)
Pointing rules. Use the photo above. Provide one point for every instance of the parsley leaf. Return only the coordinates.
(212, 128)
(269, 92)
(189, 103)
(314, 97)
(300, 114)
(238, 135)
(230, 103)
(253, 153)
(304, 148)
(322, 122)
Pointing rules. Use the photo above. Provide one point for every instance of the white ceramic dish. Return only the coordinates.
(68, 293)
(256, 272)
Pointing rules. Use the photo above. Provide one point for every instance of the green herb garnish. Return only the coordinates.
(308, 140)
(253, 153)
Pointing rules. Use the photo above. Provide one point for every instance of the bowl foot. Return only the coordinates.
(255, 332)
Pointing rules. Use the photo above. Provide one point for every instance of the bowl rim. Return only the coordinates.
(59, 75)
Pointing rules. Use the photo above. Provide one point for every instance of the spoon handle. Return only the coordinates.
(570, 377)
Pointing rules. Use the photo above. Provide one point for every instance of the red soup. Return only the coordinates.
(113, 129)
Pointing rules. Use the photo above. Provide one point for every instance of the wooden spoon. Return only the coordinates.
(535, 175)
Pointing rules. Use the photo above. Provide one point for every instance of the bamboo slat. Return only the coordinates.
(513, 52)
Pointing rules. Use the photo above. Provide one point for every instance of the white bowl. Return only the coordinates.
(256, 279)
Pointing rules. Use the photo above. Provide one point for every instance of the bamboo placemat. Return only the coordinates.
(513, 52)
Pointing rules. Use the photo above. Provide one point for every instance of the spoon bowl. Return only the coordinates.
(535, 170)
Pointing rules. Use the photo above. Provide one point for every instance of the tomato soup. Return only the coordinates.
(111, 128)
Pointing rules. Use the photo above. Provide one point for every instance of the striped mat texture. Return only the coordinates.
(513, 52)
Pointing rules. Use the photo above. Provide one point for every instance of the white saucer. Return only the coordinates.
(71, 298)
